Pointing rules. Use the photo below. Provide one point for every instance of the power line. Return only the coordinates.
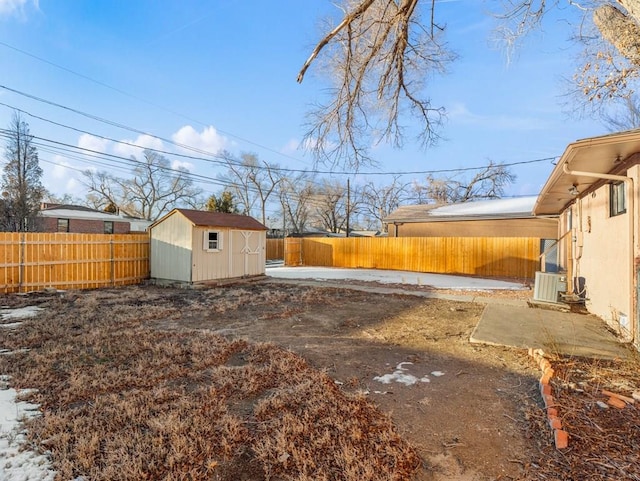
(94, 157)
(226, 159)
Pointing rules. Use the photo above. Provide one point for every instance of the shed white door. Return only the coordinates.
(247, 253)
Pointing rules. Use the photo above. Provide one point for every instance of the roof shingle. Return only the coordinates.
(220, 219)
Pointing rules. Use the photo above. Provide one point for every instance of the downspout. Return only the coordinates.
(631, 206)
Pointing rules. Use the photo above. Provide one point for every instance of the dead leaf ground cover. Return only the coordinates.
(159, 383)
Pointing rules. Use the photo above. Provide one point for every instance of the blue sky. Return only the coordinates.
(222, 75)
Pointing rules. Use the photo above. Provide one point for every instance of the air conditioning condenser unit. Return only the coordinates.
(548, 286)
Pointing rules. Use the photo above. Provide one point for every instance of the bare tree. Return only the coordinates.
(610, 33)
(377, 202)
(154, 189)
(253, 181)
(380, 53)
(295, 194)
(488, 183)
(22, 189)
(333, 206)
(103, 189)
(378, 58)
(66, 198)
(627, 117)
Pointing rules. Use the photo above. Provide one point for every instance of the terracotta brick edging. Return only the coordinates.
(560, 436)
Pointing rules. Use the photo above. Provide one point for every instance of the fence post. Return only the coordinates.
(293, 251)
(21, 261)
(113, 266)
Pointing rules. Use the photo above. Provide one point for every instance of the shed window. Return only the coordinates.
(108, 227)
(63, 225)
(617, 199)
(212, 240)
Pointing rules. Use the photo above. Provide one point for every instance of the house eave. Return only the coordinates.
(597, 155)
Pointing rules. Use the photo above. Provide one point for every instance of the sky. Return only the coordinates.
(216, 75)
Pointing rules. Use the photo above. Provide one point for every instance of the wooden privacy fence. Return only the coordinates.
(513, 257)
(275, 249)
(33, 261)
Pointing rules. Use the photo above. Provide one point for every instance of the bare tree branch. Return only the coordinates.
(627, 117)
(379, 201)
(378, 58)
(488, 183)
(153, 190)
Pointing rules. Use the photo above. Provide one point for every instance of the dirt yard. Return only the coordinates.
(472, 413)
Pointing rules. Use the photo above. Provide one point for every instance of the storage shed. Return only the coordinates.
(196, 246)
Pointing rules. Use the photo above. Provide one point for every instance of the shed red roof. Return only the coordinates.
(220, 219)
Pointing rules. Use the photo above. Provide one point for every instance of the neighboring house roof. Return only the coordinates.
(68, 211)
(364, 233)
(596, 155)
(78, 212)
(516, 208)
(202, 218)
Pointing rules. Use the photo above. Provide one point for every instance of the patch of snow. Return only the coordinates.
(438, 281)
(11, 325)
(519, 205)
(401, 376)
(7, 352)
(16, 463)
(437, 373)
(20, 313)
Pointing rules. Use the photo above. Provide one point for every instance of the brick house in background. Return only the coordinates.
(80, 219)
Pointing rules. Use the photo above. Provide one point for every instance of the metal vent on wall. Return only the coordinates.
(548, 286)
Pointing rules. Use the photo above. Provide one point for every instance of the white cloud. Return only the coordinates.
(135, 147)
(63, 178)
(180, 164)
(291, 147)
(459, 113)
(16, 7)
(90, 142)
(75, 187)
(60, 170)
(313, 143)
(208, 140)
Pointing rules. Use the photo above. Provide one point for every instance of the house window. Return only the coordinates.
(212, 240)
(617, 199)
(63, 225)
(108, 227)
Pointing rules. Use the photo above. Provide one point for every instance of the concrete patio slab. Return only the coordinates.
(553, 331)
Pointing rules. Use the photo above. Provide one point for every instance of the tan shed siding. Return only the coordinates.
(542, 228)
(601, 256)
(207, 265)
(241, 255)
(171, 249)
(248, 256)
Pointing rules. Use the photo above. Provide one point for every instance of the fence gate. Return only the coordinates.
(293, 251)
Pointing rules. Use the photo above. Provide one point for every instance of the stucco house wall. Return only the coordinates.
(600, 248)
(599, 256)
